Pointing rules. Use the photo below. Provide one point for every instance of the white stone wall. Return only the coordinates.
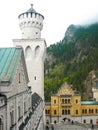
(77, 119)
(95, 93)
(16, 97)
(31, 25)
(3, 116)
(34, 51)
(19, 104)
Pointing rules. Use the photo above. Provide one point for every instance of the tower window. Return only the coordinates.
(19, 77)
(35, 78)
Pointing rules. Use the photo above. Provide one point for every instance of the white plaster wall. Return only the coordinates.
(34, 63)
(29, 33)
(30, 25)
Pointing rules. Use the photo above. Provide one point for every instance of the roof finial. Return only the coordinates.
(32, 6)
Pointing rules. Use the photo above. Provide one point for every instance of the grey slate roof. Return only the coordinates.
(36, 99)
(31, 10)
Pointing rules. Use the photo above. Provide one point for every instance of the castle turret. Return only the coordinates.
(31, 24)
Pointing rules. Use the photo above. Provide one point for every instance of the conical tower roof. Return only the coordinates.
(31, 10)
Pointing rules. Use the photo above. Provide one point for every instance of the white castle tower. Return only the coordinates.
(31, 24)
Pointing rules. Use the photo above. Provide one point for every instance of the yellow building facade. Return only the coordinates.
(67, 105)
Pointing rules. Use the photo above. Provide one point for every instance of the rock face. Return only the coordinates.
(69, 34)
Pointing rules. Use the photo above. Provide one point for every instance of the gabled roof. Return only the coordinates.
(9, 58)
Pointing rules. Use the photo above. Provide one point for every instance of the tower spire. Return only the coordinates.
(32, 6)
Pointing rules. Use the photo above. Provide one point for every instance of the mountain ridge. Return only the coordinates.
(72, 60)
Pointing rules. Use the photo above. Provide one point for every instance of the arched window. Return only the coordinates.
(68, 112)
(28, 53)
(63, 101)
(91, 121)
(24, 107)
(1, 124)
(84, 121)
(54, 101)
(62, 112)
(48, 111)
(65, 112)
(19, 112)
(55, 121)
(76, 100)
(76, 112)
(12, 117)
(45, 111)
(85, 111)
(37, 51)
(55, 112)
(66, 101)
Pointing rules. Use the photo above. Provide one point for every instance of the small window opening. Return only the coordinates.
(35, 78)
(19, 77)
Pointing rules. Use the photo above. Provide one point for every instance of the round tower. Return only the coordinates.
(34, 47)
(31, 24)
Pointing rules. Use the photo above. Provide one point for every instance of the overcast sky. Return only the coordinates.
(59, 14)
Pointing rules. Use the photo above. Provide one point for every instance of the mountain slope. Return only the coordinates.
(72, 59)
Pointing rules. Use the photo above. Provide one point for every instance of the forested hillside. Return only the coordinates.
(72, 60)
